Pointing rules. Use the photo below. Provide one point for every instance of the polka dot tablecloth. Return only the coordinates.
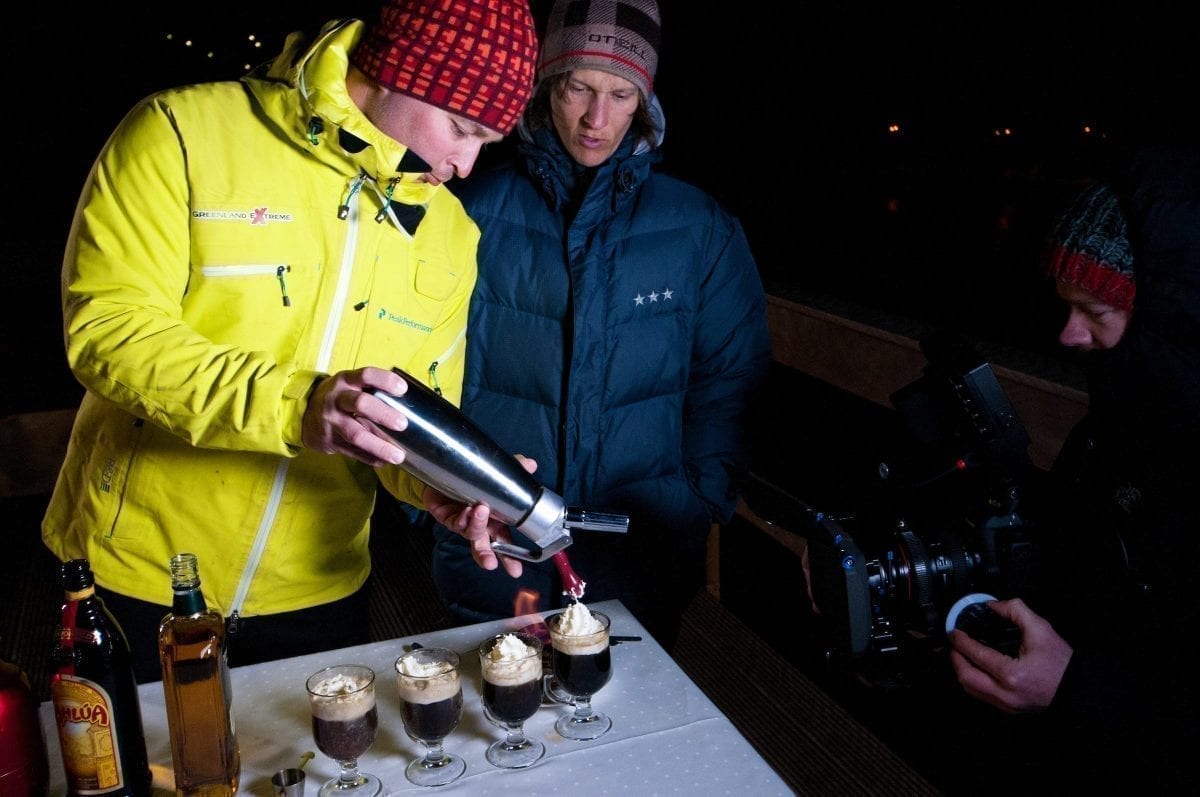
(667, 738)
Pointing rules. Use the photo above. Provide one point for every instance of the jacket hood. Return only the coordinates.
(1148, 386)
(303, 91)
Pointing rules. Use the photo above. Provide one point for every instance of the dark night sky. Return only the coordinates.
(790, 103)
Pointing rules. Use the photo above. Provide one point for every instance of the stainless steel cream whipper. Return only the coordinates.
(447, 451)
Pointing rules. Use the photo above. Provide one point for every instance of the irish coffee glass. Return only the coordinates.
(512, 691)
(431, 704)
(582, 666)
(344, 722)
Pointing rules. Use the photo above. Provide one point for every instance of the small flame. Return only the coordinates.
(527, 619)
(526, 602)
(525, 614)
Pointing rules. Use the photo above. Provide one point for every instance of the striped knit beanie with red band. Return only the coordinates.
(617, 36)
(474, 58)
(1089, 248)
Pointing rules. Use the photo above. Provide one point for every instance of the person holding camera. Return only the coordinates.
(1104, 655)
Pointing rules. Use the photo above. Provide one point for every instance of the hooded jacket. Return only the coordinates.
(1123, 550)
(226, 253)
(616, 334)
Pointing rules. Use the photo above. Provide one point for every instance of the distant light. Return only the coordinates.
(894, 129)
(1087, 130)
(187, 43)
(258, 44)
(170, 36)
(1002, 132)
(209, 54)
(250, 37)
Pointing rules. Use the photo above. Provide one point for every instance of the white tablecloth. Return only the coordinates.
(667, 737)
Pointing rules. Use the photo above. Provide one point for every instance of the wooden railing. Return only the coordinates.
(872, 363)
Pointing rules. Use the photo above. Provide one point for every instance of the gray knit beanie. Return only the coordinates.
(1089, 247)
(617, 36)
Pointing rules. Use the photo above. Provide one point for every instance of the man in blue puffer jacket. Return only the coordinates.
(617, 330)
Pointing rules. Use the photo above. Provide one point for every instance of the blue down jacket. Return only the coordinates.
(617, 331)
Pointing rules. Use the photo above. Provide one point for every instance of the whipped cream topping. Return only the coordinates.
(510, 661)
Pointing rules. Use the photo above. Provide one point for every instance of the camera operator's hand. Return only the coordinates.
(1023, 684)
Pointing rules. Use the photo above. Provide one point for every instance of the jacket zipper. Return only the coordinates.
(253, 270)
(260, 542)
(267, 522)
(345, 270)
(386, 211)
(454, 344)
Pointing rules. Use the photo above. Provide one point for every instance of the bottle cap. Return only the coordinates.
(77, 575)
(185, 571)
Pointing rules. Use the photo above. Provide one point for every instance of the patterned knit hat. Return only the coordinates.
(616, 36)
(474, 58)
(1089, 248)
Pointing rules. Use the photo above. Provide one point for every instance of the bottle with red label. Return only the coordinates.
(95, 697)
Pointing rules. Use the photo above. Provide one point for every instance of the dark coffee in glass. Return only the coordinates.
(431, 722)
(585, 673)
(513, 703)
(345, 739)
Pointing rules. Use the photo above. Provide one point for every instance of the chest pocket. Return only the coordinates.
(252, 288)
(436, 279)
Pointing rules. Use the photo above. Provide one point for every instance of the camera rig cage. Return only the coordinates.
(945, 525)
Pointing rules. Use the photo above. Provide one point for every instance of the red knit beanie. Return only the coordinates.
(474, 58)
(1089, 248)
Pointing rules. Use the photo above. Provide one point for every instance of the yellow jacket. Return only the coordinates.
(208, 280)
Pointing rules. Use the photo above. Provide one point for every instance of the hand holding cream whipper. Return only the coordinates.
(447, 451)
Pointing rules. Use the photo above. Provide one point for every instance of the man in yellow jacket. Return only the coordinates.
(246, 259)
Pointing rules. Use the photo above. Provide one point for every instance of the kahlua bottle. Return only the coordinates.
(95, 696)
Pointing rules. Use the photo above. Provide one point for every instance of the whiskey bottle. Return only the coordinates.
(95, 697)
(195, 669)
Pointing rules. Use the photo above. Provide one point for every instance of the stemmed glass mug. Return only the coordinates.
(344, 722)
(582, 666)
(431, 704)
(511, 667)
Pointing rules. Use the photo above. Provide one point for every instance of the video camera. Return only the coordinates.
(945, 524)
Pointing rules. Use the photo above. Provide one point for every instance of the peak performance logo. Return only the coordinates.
(385, 315)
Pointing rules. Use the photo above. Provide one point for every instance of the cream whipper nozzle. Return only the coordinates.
(447, 451)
